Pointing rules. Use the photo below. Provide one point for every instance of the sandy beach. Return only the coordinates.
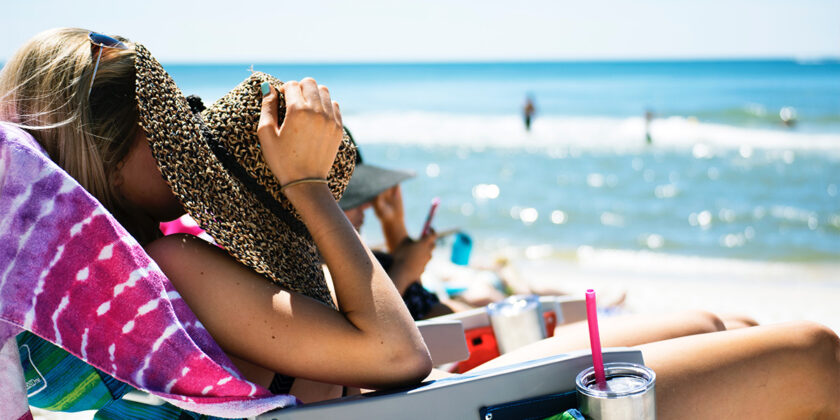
(770, 292)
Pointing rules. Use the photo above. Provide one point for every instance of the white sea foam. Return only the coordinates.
(601, 133)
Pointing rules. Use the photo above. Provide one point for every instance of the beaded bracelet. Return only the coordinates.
(303, 181)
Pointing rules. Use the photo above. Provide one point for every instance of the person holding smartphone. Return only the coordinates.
(406, 258)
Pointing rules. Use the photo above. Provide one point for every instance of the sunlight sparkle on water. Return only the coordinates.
(713, 173)
(746, 152)
(485, 191)
(654, 241)
(595, 180)
(432, 170)
(612, 219)
(702, 219)
(529, 215)
(733, 240)
(558, 217)
(666, 191)
(701, 151)
(726, 215)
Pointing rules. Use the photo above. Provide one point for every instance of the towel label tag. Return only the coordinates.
(35, 381)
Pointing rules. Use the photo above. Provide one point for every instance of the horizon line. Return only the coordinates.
(801, 60)
(810, 60)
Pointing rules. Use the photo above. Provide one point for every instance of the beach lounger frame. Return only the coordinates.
(538, 388)
(534, 389)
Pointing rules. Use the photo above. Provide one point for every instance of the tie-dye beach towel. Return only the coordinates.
(72, 275)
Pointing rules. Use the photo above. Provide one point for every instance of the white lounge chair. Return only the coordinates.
(535, 389)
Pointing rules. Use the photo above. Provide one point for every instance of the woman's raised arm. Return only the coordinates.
(371, 341)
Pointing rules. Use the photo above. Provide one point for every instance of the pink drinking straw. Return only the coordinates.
(595, 339)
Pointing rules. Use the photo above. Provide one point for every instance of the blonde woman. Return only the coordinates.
(108, 114)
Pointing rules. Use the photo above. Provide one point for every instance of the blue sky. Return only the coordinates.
(443, 30)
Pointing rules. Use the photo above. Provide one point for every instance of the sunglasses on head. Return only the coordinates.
(102, 41)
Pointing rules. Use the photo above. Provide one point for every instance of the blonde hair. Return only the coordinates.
(44, 90)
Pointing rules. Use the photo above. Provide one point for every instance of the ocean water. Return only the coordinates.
(723, 177)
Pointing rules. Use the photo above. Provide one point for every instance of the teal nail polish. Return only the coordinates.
(265, 88)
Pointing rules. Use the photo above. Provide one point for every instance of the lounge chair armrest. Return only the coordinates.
(445, 340)
(470, 319)
(568, 308)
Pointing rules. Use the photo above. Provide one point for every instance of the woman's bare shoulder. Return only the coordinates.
(182, 248)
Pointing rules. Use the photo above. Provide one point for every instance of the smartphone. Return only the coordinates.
(428, 225)
(447, 232)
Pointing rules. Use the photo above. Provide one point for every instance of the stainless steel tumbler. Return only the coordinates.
(517, 321)
(629, 394)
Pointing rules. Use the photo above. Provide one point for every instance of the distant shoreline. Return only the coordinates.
(803, 61)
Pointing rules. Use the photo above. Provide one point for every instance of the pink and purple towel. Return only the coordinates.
(72, 275)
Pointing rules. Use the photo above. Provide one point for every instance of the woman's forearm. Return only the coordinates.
(388, 207)
(394, 232)
(365, 293)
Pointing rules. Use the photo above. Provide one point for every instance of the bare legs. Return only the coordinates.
(622, 331)
(786, 371)
(733, 322)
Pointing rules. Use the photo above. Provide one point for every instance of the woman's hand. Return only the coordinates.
(306, 144)
(410, 260)
(388, 207)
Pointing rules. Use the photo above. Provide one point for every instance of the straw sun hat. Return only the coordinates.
(214, 166)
